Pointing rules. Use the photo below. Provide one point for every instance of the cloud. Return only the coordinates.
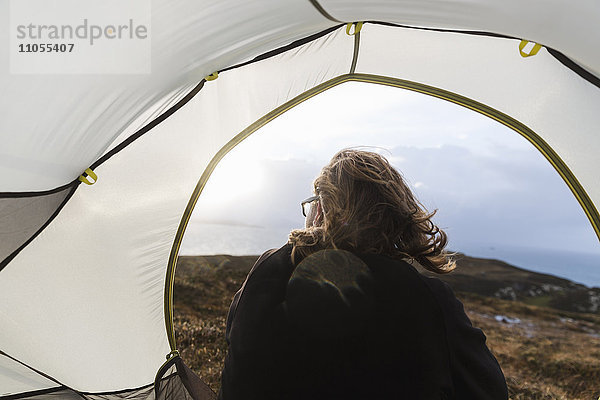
(514, 197)
(488, 183)
(286, 184)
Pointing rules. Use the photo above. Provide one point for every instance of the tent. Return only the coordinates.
(99, 172)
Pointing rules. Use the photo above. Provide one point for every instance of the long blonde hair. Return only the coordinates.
(368, 208)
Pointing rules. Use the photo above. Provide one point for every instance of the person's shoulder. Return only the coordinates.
(442, 292)
(405, 278)
(395, 271)
(272, 259)
(439, 287)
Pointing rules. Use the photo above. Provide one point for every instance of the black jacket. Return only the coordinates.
(381, 332)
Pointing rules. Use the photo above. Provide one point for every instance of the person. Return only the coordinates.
(341, 312)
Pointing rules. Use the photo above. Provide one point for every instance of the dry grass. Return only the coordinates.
(549, 354)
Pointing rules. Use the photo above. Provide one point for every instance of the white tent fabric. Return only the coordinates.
(572, 28)
(83, 300)
(77, 116)
(17, 378)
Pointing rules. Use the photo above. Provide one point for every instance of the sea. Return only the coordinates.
(209, 239)
(580, 267)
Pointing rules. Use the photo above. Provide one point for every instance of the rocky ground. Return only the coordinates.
(544, 331)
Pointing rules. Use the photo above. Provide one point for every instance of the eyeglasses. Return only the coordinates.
(307, 203)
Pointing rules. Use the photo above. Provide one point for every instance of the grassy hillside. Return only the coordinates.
(547, 348)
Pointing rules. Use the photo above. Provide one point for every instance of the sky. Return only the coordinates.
(492, 189)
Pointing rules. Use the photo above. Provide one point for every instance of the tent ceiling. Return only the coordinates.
(58, 125)
(192, 39)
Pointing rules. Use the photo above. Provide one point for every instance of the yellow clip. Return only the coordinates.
(91, 174)
(172, 354)
(212, 76)
(357, 28)
(534, 50)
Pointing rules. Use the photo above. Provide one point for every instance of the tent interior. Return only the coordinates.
(99, 174)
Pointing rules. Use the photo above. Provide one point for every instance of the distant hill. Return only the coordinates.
(495, 278)
(486, 277)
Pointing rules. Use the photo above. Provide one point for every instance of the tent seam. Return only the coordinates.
(323, 12)
(148, 127)
(573, 66)
(476, 33)
(563, 59)
(12, 255)
(283, 49)
(140, 132)
(62, 385)
(5, 195)
(32, 393)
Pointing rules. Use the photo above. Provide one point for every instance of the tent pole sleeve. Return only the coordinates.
(356, 48)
